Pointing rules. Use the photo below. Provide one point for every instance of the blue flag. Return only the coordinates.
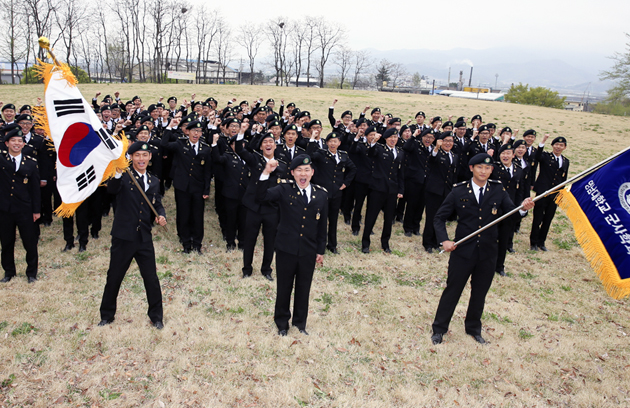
(598, 205)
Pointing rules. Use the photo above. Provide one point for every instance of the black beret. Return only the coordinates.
(205, 104)
(461, 119)
(302, 114)
(393, 120)
(559, 139)
(269, 100)
(507, 146)
(447, 123)
(257, 110)
(376, 110)
(529, 132)
(402, 129)
(143, 127)
(306, 125)
(460, 123)
(263, 137)
(505, 129)
(444, 135)
(210, 99)
(229, 121)
(390, 132)
(346, 113)
(23, 117)
(134, 98)
(106, 97)
(332, 135)
(25, 107)
(97, 110)
(289, 127)
(271, 118)
(360, 121)
(491, 126)
(128, 103)
(519, 143)
(159, 105)
(435, 119)
(315, 122)
(274, 123)
(8, 106)
(243, 102)
(420, 114)
(480, 158)
(146, 119)
(106, 107)
(171, 98)
(427, 132)
(300, 160)
(12, 130)
(151, 108)
(188, 118)
(291, 105)
(195, 124)
(483, 128)
(138, 146)
(370, 130)
(115, 106)
(476, 117)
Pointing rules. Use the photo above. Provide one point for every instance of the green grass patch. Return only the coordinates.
(7, 381)
(325, 299)
(109, 395)
(24, 328)
(353, 278)
(524, 334)
(566, 288)
(3, 325)
(238, 310)
(527, 275)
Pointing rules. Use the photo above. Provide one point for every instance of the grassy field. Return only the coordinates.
(556, 338)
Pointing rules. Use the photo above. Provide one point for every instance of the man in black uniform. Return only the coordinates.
(193, 173)
(300, 240)
(554, 168)
(416, 168)
(131, 235)
(334, 171)
(477, 202)
(20, 203)
(387, 185)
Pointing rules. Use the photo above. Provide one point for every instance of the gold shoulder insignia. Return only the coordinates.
(32, 158)
(459, 184)
(494, 181)
(320, 187)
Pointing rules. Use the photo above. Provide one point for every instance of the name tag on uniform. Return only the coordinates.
(494, 210)
(203, 162)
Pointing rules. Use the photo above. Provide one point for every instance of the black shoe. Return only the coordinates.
(82, 248)
(268, 277)
(429, 250)
(365, 250)
(31, 279)
(437, 338)
(387, 250)
(158, 325)
(408, 234)
(478, 338)
(501, 272)
(187, 250)
(355, 233)
(543, 248)
(47, 224)
(533, 248)
(511, 250)
(416, 233)
(95, 235)
(105, 322)
(230, 248)
(282, 333)
(69, 246)
(347, 222)
(518, 230)
(247, 275)
(333, 250)
(198, 250)
(6, 279)
(304, 332)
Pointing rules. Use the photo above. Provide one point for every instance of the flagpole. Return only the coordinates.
(144, 195)
(546, 193)
(45, 44)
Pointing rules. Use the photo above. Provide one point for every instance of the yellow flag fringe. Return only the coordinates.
(44, 71)
(593, 247)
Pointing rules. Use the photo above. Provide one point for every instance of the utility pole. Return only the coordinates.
(496, 80)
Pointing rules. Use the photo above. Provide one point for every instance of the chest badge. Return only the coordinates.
(203, 162)
(494, 210)
(317, 216)
(25, 181)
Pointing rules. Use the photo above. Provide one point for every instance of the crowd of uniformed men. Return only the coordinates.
(406, 170)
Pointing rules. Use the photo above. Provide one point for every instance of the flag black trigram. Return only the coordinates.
(68, 107)
(107, 139)
(86, 178)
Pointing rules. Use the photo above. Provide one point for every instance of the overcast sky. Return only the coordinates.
(591, 26)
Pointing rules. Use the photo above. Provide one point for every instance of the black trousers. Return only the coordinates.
(97, 205)
(506, 233)
(334, 204)
(23, 220)
(433, 202)
(544, 212)
(121, 254)
(269, 222)
(82, 220)
(234, 221)
(378, 201)
(347, 202)
(189, 218)
(292, 269)
(361, 191)
(219, 204)
(47, 207)
(460, 269)
(414, 193)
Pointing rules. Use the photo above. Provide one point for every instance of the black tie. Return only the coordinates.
(305, 197)
(480, 195)
(14, 164)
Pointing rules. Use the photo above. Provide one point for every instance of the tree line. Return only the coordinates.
(140, 40)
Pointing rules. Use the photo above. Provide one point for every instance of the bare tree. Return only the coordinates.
(14, 46)
(275, 33)
(249, 38)
(71, 18)
(329, 37)
(397, 71)
(297, 39)
(223, 48)
(360, 61)
(41, 14)
(343, 59)
(310, 44)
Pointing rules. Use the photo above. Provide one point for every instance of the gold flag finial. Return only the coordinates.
(44, 43)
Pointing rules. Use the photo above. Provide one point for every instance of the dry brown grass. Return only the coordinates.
(556, 338)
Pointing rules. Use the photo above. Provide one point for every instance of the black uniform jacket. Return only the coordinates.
(387, 176)
(133, 216)
(472, 217)
(364, 163)
(235, 172)
(550, 173)
(442, 173)
(193, 173)
(416, 163)
(514, 185)
(302, 228)
(328, 173)
(19, 191)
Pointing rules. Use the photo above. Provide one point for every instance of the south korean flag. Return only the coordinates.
(84, 148)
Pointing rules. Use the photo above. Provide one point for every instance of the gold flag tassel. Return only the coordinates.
(593, 247)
